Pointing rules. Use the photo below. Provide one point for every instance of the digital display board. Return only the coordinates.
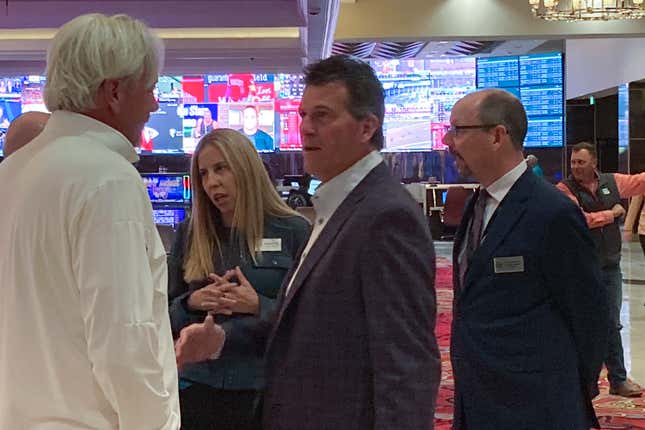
(537, 80)
(498, 72)
(544, 131)
(542, 100)
(541, 69)
(169, 216)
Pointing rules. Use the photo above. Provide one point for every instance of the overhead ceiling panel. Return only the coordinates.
(220, 35)
(400, 50)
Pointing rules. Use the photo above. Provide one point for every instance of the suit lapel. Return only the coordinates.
(325, 239)
(508, 213)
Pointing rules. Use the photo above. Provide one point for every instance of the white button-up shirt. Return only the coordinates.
(85, 340)
(329, 196)
(498, 190)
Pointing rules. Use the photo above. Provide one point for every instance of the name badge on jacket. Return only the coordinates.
(271, 245)
(509, 264)
(605, 191)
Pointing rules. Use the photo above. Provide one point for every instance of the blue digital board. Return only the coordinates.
(537, 80)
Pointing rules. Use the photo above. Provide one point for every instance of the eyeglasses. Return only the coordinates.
(453, 129)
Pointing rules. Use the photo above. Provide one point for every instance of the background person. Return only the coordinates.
(599, 197)
(23, 130)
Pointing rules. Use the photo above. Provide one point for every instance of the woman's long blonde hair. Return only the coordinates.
(256, 199)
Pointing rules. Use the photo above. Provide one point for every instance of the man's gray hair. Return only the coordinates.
(92, 48)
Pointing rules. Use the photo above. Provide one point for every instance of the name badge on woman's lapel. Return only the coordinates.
(271, 245)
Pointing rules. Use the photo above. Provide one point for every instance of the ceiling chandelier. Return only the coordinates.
(587, 10)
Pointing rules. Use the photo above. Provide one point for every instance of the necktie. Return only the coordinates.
(473, 238)
(475, 232)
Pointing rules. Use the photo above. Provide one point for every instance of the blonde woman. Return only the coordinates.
(229, 259)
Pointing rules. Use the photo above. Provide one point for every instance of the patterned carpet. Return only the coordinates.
(613, 412)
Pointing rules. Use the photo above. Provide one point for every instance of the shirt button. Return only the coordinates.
(321, 220)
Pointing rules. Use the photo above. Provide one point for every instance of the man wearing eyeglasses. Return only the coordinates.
(599, 195)
(530, 316)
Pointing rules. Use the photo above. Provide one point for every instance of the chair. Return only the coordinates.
(453, 210)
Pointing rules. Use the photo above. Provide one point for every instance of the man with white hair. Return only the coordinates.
(84, 326)
(532, 163)
(23, 130)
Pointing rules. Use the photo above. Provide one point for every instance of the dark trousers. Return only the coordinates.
(613, 281)
(207, 408)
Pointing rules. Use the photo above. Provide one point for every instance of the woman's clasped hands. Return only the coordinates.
(227, 294)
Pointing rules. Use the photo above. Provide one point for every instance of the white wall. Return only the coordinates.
(596, 64)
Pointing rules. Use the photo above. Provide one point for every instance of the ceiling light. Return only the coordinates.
(587, 10)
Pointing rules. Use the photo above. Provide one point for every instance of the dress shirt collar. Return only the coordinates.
(331, 194)
(503, 185)
(64, 123)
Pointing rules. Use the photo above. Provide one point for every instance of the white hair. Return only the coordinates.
(92, 48)
(531, 160)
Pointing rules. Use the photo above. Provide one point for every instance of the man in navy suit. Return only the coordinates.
(353, 344)
(530, 317)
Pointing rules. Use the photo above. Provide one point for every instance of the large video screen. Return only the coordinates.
(265, 107)
(419, 95)
(538, 81)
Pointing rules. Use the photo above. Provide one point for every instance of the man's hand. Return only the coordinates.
(199, 342)
(618, 210)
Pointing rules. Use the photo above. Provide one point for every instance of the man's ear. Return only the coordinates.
(370, 125)
(110, 92)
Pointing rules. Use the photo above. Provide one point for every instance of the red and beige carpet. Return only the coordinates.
(613, 412)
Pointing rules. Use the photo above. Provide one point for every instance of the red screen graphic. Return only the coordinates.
(193, 87)
(289, 124)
